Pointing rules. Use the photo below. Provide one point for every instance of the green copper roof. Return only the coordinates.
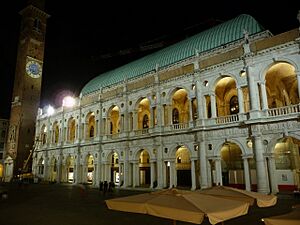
(209, 39)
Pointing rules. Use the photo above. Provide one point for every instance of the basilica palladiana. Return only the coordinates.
(218, 108)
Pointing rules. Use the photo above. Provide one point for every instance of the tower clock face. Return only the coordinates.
(33, 69)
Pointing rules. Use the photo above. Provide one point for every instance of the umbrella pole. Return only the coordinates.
(174, 222)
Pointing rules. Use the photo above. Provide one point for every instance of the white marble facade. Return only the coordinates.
(232, 121)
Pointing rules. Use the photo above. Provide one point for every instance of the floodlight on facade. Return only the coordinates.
(50, 110)
(68, 101)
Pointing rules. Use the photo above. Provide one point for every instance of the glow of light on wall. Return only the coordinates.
(50, 110)
(68, 101)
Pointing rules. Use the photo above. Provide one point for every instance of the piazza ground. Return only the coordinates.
(55, 204)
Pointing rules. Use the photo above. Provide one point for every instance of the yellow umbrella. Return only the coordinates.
(291, 218)
(187, 206)
(262, 200)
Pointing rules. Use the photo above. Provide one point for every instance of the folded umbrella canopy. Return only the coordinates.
(187, 206)
(291, 218)
(262, 200)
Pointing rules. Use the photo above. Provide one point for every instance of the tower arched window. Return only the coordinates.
(37, 25)
(175, 116)
(145, 121)
(234, 105)
(111, 127)
(92, 130)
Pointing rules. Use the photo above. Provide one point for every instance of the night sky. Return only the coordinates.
(87, 38)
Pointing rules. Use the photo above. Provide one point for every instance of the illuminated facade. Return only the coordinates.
(221, 107)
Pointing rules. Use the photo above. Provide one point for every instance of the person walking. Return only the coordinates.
(105, 187)
(101, 186)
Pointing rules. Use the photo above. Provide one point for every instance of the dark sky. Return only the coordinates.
(87, 38)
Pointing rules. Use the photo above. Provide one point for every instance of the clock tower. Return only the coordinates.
(27, 87)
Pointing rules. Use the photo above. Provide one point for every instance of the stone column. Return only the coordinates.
(272, 173)
(246, 173)
(161, 173)
(135, 120)
(172, 174)
(77, 135)
(95, 176)
(213, 105)
(108, 131)
(152, 174)
(78, 170)
(298, 79)
(108, 171)
(159, 112)
(135, 173)
(241, 100)
(151, 117)
(164, 171)
(193, 175)
(46, 168)
(126, 168)
(126, 121)
(203, 165)
(59, 169)
(191, 110)
(84, 131)
(98, 170)
(209, 171)
(170, 114)
(218, 171)
(200, 100)
(252, 89)
(261, 174)
(264, 95)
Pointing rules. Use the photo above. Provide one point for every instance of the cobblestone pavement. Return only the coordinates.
(54, 204)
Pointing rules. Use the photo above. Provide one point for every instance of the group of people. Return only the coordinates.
(106, 186)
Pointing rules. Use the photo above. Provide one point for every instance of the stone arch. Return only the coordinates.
(228, 165)
(172, 91)
(69, 168)
(212, 84)
(43, 134)
(287, 163)
(265, 68)
(281, 84)
(71, 129)
(114, 161)
(225, 89)
(40, 166)
(53, 169)
(144, 169)
(89, 168)
(55, 134)
(90, 121)
(173, 149)
(143, 113)
(180, 106)
(113, 119)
